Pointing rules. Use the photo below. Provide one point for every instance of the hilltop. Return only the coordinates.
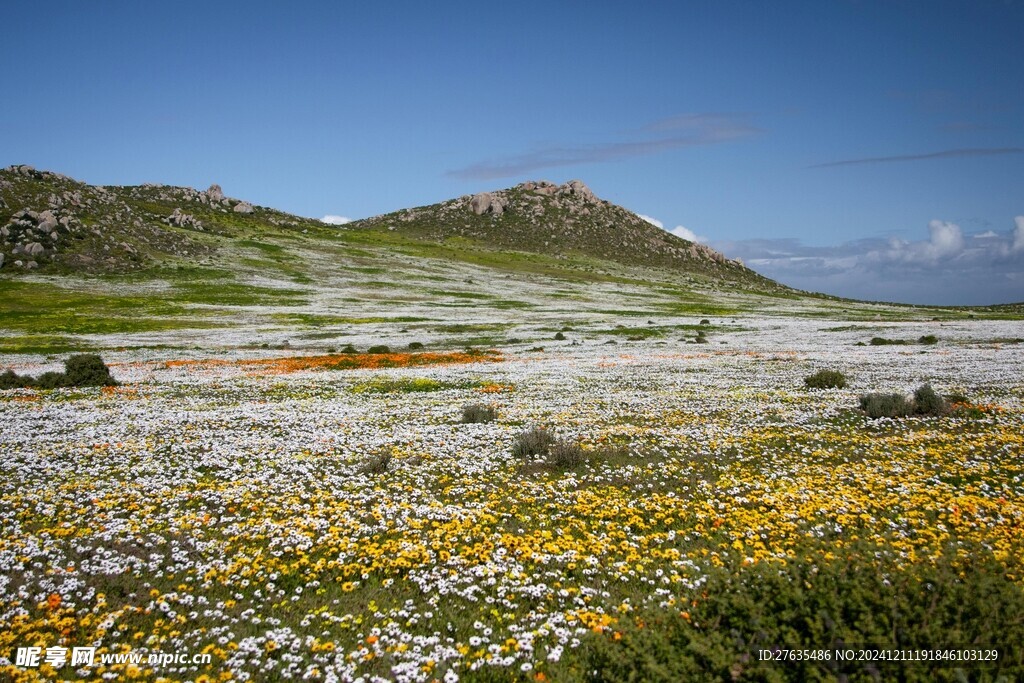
(560, 220)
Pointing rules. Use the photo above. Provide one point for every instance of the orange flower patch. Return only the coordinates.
(344, 361)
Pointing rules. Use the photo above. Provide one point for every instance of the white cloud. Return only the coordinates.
(653, 221)
(945, 242)
(946, 268)
(685, 233)
(335, 220)
(678, 231)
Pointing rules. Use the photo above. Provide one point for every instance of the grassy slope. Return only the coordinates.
(268, 270)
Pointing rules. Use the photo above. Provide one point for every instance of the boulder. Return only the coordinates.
(47, 221)
(480, 203)
(485, 202)
(215, 194)
(576, 188)
(243, 207)
(34, 249)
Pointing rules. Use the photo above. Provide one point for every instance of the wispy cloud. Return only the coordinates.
(686, 131)
(968, 152)
(948, 267)
(335, 220)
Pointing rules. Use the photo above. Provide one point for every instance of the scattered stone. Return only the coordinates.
(184, 220)
(34, 249)
(243, 207)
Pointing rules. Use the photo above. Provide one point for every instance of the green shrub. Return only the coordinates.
(532, 443)
(87, 370)
(51, 380)
(860, 597)
(705, 321)
(475, 413)
(885, 405)
(565, 454)
(927, 402)
(415, 345)
(826, 379)
(928, 339)
(560, 337)
(349, 349)
(379, 348)
(882, 341)
(11, 380)
(80, 370)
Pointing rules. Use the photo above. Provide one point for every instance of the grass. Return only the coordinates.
(237, 294)
(39, 308)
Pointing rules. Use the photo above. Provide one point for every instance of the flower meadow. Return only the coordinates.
(224, 506)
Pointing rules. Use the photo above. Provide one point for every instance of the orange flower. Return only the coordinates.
(53, 602)
(372, 639)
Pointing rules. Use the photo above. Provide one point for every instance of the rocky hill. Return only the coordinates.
(52, 223)
(559, 220)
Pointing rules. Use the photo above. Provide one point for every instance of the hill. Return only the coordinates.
(560, 220)
(88, 267)
(56, 224)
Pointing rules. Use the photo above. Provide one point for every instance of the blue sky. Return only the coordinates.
(865, 149)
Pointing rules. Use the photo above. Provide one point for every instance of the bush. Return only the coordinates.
(825, 379)
(11, 380)
(475, 413)
(379, 348)
(80, 370)
(565, 454)
(349, 349)
(882, 341)
(533, 442)
(885, 405)
(415, 345)
(927, 402)
(51, 380)
(87, 370)
(560, 337)
(928, 339)
(861, 596)
(705, 321)
(378, 462)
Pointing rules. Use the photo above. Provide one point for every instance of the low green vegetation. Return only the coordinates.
(81, 370)
(825, 379)
(475, 413)
(924, 402)
(818, 604)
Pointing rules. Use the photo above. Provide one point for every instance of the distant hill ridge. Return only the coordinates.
(54, 223)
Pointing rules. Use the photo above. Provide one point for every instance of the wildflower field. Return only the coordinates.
(331, 517)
